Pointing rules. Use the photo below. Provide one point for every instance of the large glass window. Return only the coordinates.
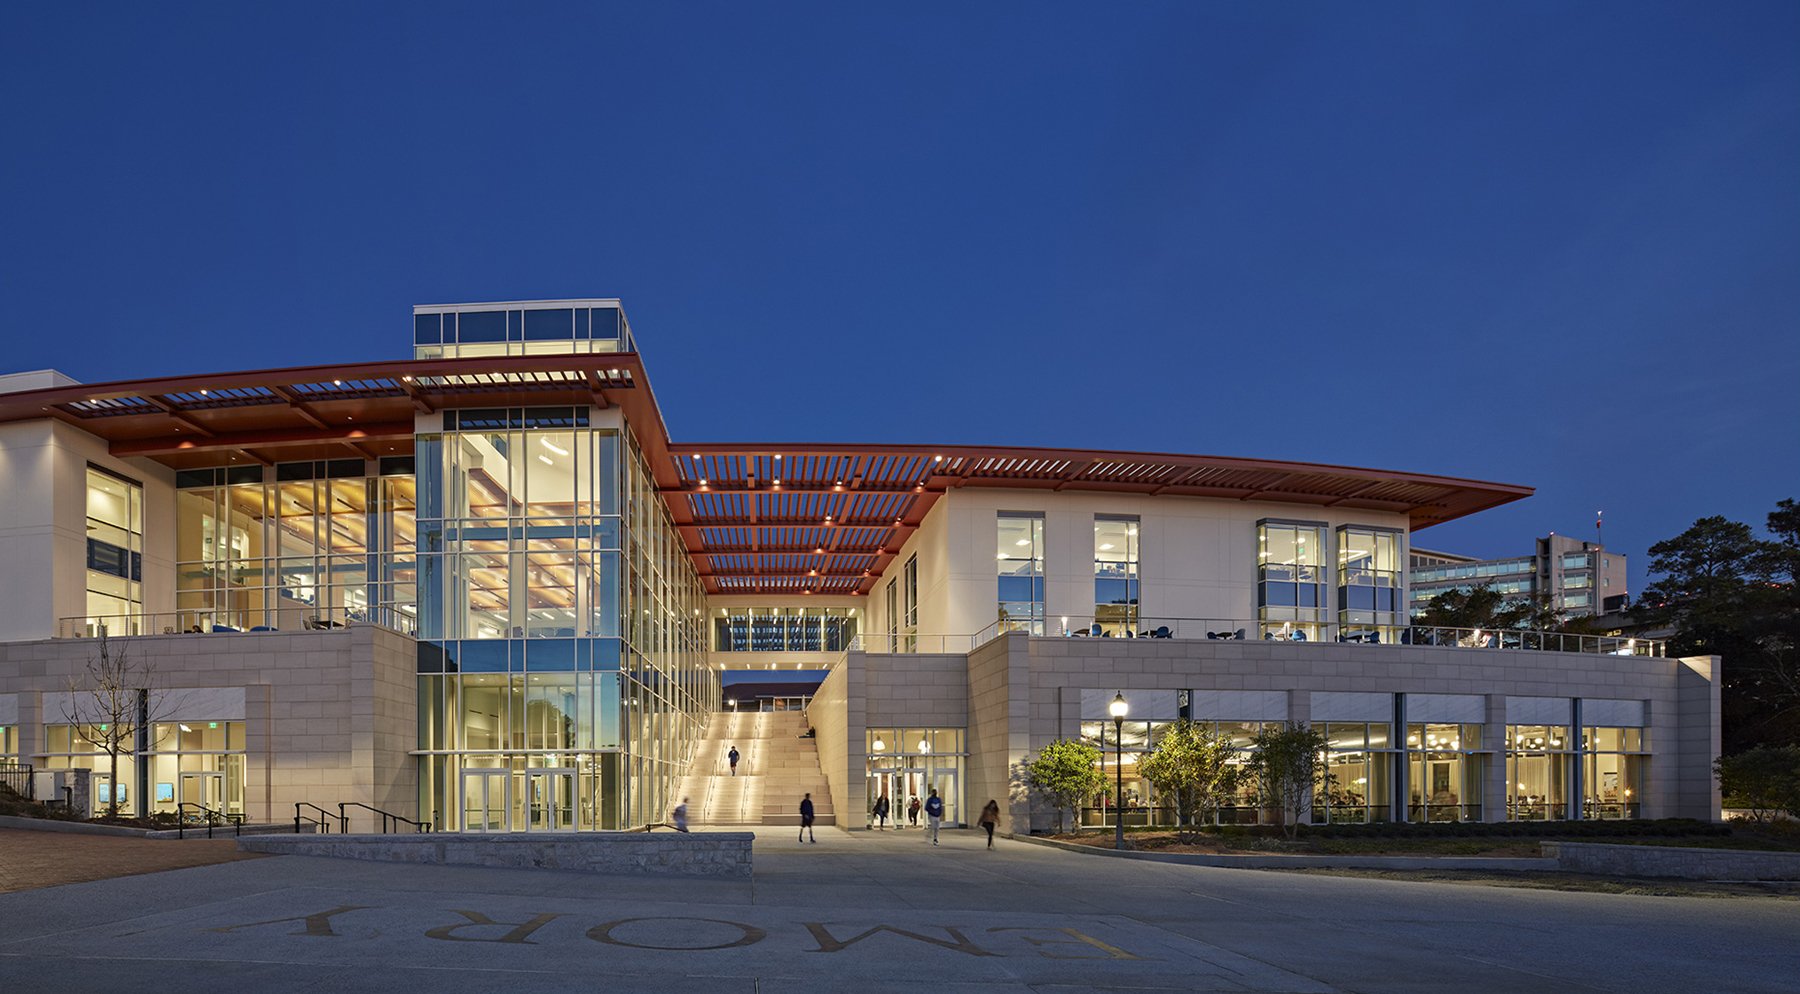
(783, 629)
(115, 553)
(1291, 579)
(1612, 771)
(909, 623)
(539, 330)
(1116, 574)
(192, 763)
(1370, 583)
(1358, 760)
(1021, 572)
(1443, 772)
(1537, 772)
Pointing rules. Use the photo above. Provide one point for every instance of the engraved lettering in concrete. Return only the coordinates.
(1076, 938)
(316, 924)
(829, 943)
(519, 934)
(747, 934)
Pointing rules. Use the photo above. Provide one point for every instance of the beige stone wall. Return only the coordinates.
(829, 715)
(999, 728)
(329, 715)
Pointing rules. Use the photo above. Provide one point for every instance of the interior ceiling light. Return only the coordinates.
(545, 460)
(553, 447)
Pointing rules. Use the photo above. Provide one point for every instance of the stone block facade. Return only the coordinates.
(328, 715)
(1019, 693)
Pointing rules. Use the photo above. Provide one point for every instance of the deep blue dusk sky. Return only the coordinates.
(1551, 244)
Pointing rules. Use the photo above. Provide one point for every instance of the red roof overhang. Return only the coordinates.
(831, 518)
(788, 519)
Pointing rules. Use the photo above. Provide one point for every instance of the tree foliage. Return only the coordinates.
(1285, 767)
(1192, 765)
(1066, 773)
(1765, 780)
(1726, 592)
(1485, 608)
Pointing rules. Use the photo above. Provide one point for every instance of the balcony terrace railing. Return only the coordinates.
(212, 622)
(1218, 629)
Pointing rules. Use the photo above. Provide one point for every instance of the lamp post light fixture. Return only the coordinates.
(1118, 709)
(731, 702)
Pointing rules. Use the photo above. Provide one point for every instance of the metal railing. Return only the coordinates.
(292, 618)
(211, 817)
(390, 822)
(1237, 629)
(17, 777)
(916, 644)
(321, 824)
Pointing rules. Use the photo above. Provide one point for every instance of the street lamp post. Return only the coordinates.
(1118, 709)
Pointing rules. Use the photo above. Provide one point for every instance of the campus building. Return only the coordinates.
(482, 588)
(1577, 579)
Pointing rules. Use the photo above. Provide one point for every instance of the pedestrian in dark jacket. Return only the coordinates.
(733, 757)
(806, 820)
(934, 814)
(990, 816)
(881, 811)
(912, 812)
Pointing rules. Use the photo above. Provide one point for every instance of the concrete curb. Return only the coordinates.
(1515, 864)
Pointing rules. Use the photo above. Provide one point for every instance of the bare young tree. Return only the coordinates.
(113, 697)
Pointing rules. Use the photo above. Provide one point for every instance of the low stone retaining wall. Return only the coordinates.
(711, 854)
(1275, 861)
(1674, 861)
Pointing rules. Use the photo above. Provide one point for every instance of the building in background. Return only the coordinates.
(1580, 578)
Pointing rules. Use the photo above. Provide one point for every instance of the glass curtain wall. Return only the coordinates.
(783, 629)
(563, 675)
(1371, 584)
(1443, 772)
(1291, 579)
(1116, 574)
(1537, 772)
(321, 545)
(1358, 761)
(1612, 771)
(189, 762)
(115, 553)
(521, 331)
(1021, 572)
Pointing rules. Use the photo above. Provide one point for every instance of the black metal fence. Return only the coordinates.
(17, 778)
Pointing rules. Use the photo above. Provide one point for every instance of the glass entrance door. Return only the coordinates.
(487, 800)
(549, 799)
(945, 782)
(204, 789)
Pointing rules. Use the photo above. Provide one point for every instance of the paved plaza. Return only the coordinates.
(870, 913)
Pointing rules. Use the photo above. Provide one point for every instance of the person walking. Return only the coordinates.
(881, 812)
(990, 816)
(912, 812)
(679, 816)
(806, 820)
(733, 757)
(934, 814)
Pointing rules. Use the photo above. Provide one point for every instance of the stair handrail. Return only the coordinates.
(212, 817)
(388, 818)
(323, 821)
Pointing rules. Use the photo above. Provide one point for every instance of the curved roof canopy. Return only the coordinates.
(803, 518)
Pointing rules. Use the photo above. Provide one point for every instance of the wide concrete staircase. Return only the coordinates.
(776, 767)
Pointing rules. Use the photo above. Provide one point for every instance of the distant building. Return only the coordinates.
(1580, 578)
